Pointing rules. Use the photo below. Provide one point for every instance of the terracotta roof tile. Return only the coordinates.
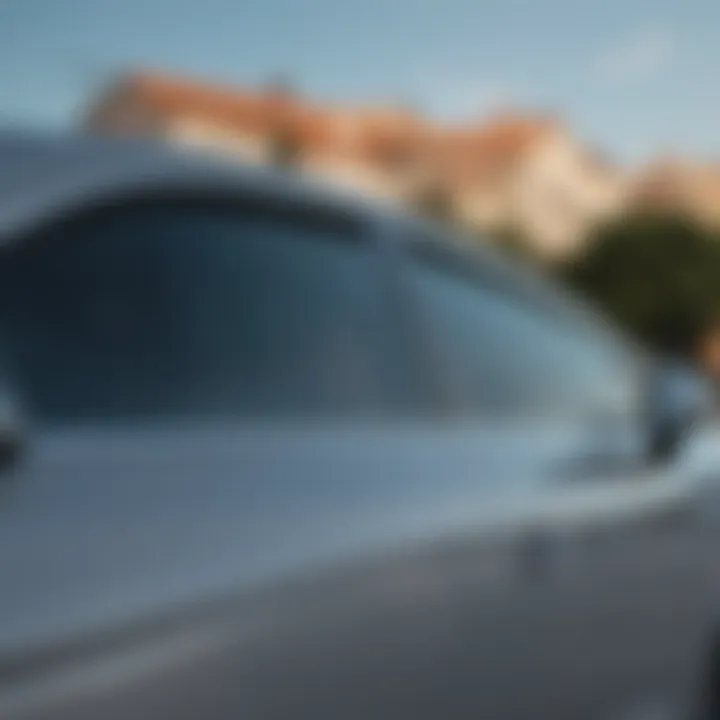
(170, 96)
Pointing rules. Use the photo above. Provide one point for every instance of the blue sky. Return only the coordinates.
(632, 76)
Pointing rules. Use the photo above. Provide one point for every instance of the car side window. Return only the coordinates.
(186, 308)
(503, 355)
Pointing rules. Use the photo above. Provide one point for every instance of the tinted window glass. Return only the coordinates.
(503, 355)
(162, 309)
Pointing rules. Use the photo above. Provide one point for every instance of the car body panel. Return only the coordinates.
(434, 568)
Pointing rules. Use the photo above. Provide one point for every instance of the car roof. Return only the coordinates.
(41, 172)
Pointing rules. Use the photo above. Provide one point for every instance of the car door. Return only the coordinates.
(244, 492)
(552, 400)
(240, 491)
(205, 382)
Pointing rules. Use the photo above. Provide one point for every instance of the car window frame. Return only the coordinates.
(495, 276)
(355, 226)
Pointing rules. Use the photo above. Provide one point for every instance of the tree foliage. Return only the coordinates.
(659, 277)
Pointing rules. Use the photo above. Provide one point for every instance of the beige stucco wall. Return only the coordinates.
(354, 176)
(482, 208)
(194, 133)
(559, 194)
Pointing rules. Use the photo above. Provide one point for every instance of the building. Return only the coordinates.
(513, 171)
(530, 175)
(673, 185)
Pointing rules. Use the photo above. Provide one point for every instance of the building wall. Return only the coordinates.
(703, 196)
(560, 193)
(352, 174)
(483, 208)
(677, 186)
(196, 133)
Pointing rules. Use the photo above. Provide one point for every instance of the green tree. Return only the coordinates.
(658, 276)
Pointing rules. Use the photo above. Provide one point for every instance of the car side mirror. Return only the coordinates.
(676, 399)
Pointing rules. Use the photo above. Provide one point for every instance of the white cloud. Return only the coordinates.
(639, 56)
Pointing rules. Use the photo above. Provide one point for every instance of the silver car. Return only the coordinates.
(272, 453)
